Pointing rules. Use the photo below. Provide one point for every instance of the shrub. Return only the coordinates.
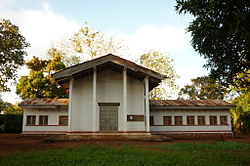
(11, 123)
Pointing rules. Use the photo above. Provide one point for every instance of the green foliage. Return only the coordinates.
(240, 114)
(242, 82)
(221, 34)
(245, 119)
(11, 123)
(12, 45)
(8, 108)
(204, 88)
(162, 64)
(88, 44)
(13, 110)
(222, 154)
(39, 83)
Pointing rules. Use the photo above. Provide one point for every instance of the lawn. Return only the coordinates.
(221, 153)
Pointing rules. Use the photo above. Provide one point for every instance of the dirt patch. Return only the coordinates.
(13, 143)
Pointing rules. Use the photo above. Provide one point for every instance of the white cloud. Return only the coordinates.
(164, 39)
(40, 28)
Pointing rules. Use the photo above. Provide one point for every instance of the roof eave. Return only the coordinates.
(190, 108)
(69, 72)
(44, 106)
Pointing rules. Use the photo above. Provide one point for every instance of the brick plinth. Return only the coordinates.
(195, 135)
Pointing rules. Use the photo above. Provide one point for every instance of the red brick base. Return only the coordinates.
(195, 135)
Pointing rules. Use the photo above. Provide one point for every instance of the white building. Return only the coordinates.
(109, 95)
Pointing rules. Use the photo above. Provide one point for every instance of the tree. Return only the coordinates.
(242, 82)
(88, 44)
(8, 108)
(39, 83)
(162, 64)
(221, 34)
(12, 45)
(204, 88)
(241, 112)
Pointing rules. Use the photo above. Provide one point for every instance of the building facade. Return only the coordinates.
(110, 95)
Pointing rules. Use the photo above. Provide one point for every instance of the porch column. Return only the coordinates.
(94, 100)
(125, 103)
(71, 82)
(147, 103)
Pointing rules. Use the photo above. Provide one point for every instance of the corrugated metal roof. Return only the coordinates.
(189, 103)
(44, 102)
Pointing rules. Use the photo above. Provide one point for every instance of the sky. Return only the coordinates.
(143, 25)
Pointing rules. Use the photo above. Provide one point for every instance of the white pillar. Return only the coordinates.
(229, 119)
(195, 120)
(218, 119)
(94, 100)
(71, 82)
(125, 103)
(147, 103)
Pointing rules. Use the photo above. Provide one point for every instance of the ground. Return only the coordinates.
(13, 143)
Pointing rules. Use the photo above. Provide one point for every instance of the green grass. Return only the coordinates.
(176, 154)
(218, 146)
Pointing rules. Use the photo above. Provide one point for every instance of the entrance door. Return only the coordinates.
(108, 117)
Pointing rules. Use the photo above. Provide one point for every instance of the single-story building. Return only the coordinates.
(110, 95)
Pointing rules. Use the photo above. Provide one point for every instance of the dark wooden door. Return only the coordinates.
(108, 118)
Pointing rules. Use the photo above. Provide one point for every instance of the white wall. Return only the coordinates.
(159, 127)
(81, 119)
(109, 89)
(53, 121)
(135, 103)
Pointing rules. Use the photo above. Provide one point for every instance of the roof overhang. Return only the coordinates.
(44, 106)
(108, 62)
(189, 108)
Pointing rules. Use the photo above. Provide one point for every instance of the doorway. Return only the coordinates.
(108, 117)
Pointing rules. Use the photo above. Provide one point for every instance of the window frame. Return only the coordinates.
(30, 119)
(203, 119)
(226, 120)
(43, 120)
(167, 120)
(193, 120)
(59, 120)
(151, 121)
(213, 120)
(178, 122)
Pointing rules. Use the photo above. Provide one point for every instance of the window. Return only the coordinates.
(213, 120)
(31, 120)
(190, 120)
(63, 120)
(201, 120)
(178, 120)
(151, 121)
(223, 120)
(167, 120)
(43, 120)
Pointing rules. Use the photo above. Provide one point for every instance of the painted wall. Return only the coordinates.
(109, 89)
(53, 121)
(135, 103)
(81, 115)
(159, 127)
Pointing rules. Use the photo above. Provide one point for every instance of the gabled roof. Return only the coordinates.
(44, 103)
(190, 104)
(109, 61)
